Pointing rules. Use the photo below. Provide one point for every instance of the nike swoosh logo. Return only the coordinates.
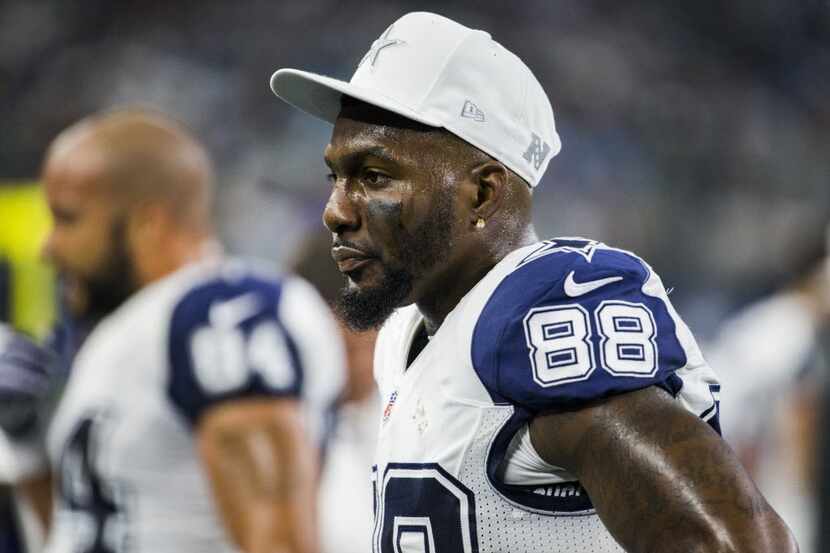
(575, 289)
(233, 311)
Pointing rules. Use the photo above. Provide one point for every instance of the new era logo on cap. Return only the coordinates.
(428, 68)
(471, 111)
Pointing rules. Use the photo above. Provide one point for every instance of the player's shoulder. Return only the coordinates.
(243, 330)
(553, 261)
(310, 323)
(564, 308)
(225, 294)
(577, 270)
(227, 338)
(185, 297)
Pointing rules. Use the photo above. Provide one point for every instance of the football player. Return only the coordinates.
(540, 396)
(193, 411)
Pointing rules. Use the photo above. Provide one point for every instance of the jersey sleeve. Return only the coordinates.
(566, 329)
(26, 387)
(321, 352)
(227, 341)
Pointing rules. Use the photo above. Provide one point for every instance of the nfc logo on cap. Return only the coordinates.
(377, 46)
(537, 151)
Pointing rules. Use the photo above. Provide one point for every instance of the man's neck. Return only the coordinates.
(177, 254)
(435, 308)
(459, 279)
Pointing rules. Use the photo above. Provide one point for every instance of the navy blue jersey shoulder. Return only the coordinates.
(571, 324)
(227, 341)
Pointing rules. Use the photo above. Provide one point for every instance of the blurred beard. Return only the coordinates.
(367, 308)
(115, 281)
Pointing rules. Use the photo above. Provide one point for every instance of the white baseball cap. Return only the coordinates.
(435, 71)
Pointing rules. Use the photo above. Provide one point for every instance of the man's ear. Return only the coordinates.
(148, 235)
(147, 225)
(492, 180)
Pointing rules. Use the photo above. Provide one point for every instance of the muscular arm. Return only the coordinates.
(660, 478)
(263, 473)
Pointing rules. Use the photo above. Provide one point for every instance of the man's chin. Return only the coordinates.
(365, 305)
(367, 277)
(94, 300)
(74, 297)
(354, 289)
(352, 284)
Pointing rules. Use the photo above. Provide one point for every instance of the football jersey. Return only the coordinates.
(122, 443)
(554, 325)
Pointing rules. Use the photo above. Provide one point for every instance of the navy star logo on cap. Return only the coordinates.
(383, 42)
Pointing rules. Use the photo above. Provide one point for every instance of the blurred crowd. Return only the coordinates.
(695, 134)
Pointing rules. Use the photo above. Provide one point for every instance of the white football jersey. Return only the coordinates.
(122, 447)
(552, 326)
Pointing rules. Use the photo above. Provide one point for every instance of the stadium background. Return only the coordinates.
(694, 133)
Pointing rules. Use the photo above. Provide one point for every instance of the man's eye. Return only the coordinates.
(64, 218)
(375, 178)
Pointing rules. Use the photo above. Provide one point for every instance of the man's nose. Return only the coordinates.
(341, 214)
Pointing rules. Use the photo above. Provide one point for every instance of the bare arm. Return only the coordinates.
(37, 490)
(263, 473)
(660, 478)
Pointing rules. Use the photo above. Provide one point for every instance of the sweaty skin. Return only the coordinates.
(660, 478)
(682, 488)
(144, 174)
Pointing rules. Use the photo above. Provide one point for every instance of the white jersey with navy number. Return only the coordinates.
(122, 444)
(552, 326)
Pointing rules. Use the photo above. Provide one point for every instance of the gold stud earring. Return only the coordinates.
(480, 223)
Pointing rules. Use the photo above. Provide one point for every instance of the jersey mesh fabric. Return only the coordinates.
(505, 528)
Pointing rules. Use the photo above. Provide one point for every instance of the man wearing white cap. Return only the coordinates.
(541, 396)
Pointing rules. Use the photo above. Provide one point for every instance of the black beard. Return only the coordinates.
(115, 281)
(365, 309)
(429, 245)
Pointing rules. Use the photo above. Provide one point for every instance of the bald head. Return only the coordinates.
(135, 157)
(130, 196)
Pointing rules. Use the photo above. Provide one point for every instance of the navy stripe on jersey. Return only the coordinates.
(226, 341)
(567, 498)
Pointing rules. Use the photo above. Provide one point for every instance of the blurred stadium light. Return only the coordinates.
(26, 283)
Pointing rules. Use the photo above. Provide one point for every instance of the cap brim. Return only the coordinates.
(319, 95)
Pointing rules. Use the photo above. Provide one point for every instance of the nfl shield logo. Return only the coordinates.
(388, 410)
(537, 151)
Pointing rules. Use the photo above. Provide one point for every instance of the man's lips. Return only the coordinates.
(350, 259)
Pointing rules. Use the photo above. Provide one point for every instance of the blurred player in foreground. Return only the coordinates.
(351, 445)
(191, 417)
(540, 396)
